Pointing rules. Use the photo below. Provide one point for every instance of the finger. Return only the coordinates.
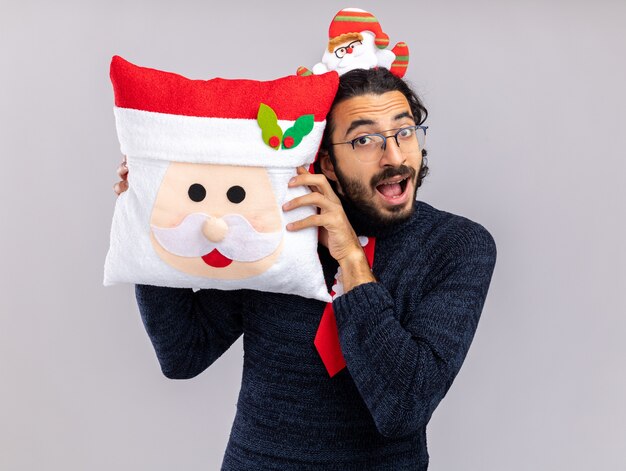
(316, 182)
(120, 187)
(312, 199)
(122, 171)
(316, 220)
(302, 170)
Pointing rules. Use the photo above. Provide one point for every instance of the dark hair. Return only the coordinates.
(373, 81)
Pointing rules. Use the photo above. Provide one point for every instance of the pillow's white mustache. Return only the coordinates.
(242, 241)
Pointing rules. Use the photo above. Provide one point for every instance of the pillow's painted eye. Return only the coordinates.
(196, 192)
(236, 194)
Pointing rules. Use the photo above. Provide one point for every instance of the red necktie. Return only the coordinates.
(327, 337)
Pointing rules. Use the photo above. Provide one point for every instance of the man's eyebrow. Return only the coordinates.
(404, 114)
(358, 122)
(363, 122)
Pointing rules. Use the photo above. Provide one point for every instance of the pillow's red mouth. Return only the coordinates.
(216, 260)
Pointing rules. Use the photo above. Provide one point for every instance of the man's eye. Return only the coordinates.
(196, 192)
(363, 141)
(406, 132)
(236, 194)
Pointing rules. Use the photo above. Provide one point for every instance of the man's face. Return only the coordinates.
(385, 189)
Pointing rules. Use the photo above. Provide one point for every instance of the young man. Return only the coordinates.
(404, 326)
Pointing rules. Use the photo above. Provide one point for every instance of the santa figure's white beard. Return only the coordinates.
(242, 243)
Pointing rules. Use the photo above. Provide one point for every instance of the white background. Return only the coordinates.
(527, 124)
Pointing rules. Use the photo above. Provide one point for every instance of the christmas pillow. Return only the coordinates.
(209, 162)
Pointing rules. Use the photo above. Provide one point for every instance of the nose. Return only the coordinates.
(349, 50)
(392, 155)
(215, 229)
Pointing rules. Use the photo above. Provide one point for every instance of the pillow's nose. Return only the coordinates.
(215, 229)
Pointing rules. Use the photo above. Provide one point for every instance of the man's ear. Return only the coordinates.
(327, 167)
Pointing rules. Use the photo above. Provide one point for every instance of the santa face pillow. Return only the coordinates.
(209, 162)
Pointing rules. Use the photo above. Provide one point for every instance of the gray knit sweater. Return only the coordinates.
(404, 339)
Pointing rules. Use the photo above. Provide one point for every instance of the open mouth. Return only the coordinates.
(394, 190)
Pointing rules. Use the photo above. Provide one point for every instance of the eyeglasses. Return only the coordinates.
(370, 147)
(343, 50)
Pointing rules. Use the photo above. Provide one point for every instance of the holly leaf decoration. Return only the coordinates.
(271, 132)
(294, 135)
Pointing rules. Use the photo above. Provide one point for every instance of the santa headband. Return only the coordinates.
(165, 116)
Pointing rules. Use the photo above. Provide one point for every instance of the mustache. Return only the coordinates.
(389, 172)
(242, 242)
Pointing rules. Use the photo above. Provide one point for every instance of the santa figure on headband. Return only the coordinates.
(357, 41)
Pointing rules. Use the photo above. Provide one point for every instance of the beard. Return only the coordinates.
(357, 200)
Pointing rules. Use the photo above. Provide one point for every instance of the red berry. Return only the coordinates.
(288, 142)
(274, 141)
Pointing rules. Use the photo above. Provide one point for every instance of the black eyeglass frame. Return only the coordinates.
(345, 48)
(384, 138)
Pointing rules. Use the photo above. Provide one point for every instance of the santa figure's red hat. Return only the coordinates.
(355, 20)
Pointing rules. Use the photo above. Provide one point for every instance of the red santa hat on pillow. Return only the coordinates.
(166, 116)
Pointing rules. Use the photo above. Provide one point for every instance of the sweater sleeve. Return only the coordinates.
(403, 363)
(188, 330)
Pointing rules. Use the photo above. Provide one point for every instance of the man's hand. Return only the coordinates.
(335, 229)
(122, 171)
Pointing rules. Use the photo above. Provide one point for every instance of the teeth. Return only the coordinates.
(393, 183)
